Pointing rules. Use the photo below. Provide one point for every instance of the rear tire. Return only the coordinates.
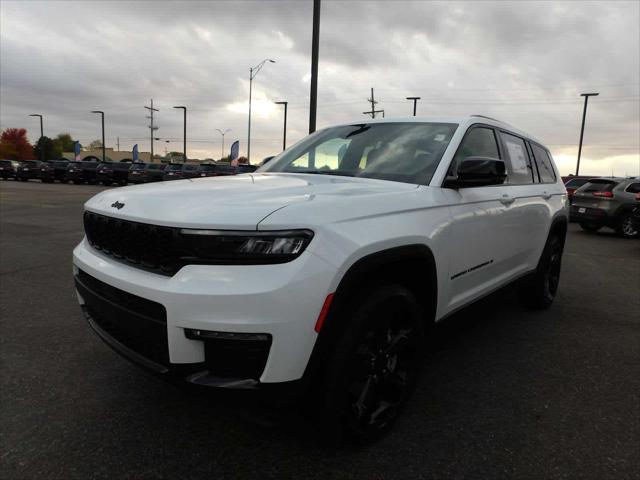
(539, 289)
(373, 366)
(626, 228)
(590, 227)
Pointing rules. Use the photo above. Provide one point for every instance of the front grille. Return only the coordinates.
(150, 247)
(135, 322)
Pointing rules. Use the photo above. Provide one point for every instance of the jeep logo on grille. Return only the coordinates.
(117, 205)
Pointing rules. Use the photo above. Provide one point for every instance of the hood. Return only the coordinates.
(234, 202)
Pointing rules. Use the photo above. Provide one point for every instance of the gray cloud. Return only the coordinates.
(524, 62)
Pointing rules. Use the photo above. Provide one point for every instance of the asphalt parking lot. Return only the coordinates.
(508, 393)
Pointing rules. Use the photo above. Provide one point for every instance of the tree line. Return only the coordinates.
(14, 145)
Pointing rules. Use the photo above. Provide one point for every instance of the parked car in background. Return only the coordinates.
(29, 170)
(190, 170)
(109, 173)
(173, 171)
(207, 170)
(74, 172)
(635, 218)
(154, 172)
(328, 276)
(245, 168)
(224, 169)
(573, 182)
(9, 169)
(89, 172)
(607, 202)
(53, 170)
(136, 172)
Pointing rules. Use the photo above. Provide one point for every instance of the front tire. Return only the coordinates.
(539, 289)
(374, 364)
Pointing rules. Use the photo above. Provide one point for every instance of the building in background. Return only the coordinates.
(111, 154)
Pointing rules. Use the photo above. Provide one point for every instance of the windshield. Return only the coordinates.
(400, 152)
(138, 166)
(104, 165)
(174, 168)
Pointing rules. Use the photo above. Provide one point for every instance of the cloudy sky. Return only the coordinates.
(523, 62)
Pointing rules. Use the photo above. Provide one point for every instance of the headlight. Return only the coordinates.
(227, 247)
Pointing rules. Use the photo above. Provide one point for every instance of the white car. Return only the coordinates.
(326, 268)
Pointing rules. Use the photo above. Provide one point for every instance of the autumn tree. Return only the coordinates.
(14, 145)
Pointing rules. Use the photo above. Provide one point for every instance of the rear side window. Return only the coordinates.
(576, 182)
(478, 142)
(543, 161)
(633, 188)
(519, 165)
(598, 186)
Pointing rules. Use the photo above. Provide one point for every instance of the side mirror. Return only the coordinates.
(478, 172)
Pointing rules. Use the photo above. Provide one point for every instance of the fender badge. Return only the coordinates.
(117, 205)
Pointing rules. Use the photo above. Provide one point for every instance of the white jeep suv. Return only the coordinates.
(328, 266)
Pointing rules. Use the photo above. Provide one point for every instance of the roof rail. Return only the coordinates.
(490, 118)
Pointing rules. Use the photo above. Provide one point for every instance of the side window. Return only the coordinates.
(543, 161)
(519, 166)
(478, 142)
(633, 188)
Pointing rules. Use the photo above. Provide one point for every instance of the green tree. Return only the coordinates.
(64, 142)
(48, 147)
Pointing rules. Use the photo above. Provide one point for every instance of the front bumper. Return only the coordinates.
(282, 301)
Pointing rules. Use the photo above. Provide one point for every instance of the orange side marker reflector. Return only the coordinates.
(323, 312)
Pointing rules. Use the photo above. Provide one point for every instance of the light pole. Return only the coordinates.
(41, 134)
(315, 47)
(284, 135)
(104, 156)
(253, 71)
(223, 134)
(415, 101)
(184, 138)
(584, 115)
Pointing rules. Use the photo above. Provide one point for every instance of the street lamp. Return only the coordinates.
(41, 134)
(584, 115)
(184, 138)
(223, 134)
(104, 156)
(284, 135)
(253, 71)
(415, 101)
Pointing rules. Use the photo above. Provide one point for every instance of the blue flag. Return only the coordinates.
(235, 150)
(76, 150)
(135, 152)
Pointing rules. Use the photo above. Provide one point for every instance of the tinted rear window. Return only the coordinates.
(598, 186)
(5, 163)
(122, 166)
(190, 167)
(155, 166)
(89, 165)
(30, 163)
(576, 182)
(207, 168)
(138, 166)
(174, 168)
(61, 163)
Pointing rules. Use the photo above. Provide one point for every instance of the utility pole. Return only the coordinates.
(104, 156)
(118, 143)
(284, 135)
(184, 138)
(373, 103)
(41, 134)
(315, 47)
(253, 71)
(151, 127)
(415, 101)
(584, 116)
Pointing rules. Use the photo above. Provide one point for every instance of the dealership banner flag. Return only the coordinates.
(135, 152)
(235, 150)
(76, 150)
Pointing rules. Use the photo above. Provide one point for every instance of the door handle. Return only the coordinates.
(546, 195)
(507, 200)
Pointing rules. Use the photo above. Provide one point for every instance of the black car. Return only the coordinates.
(113, 172)
(53, 170)
(224, 169)
(190, 171)
(154, 172)
(207, 170)
(244, 168)
(82, 172)
(9, 169)
(136, 172)
(173, 171)
(29, 170)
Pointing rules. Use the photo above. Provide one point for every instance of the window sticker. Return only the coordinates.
(518, 157)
